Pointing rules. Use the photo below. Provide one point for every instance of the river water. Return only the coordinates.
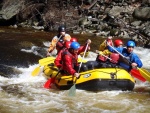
(20, 50)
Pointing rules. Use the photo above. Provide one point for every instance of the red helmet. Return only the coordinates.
(109, 41)
(114, 57)
(118, 42)
(73, 39)
(67, 44)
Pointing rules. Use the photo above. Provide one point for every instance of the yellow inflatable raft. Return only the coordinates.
(93, 80)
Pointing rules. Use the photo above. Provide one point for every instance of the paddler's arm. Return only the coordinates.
(52, 45)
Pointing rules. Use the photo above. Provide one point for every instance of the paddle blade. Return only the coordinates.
(72, 91)
(48, 83)
(36, 71)
(145, 74)
(46, 61)
(136, 74)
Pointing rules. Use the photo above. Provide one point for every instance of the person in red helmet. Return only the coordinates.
(118, 43)
(58, 60)
(58, 40)
(115, 56)
(73, 39)
(104, 49)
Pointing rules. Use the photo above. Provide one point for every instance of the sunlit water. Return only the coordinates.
(24, 93)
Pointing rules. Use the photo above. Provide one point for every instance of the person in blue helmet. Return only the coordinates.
(128, 59)
(70, 58)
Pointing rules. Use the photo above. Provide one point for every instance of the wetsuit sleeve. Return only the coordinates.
(82, 49)
(102, 46)
(67, 64)
(135, 59)
(58, 59)
(59, 44)
(53, 44)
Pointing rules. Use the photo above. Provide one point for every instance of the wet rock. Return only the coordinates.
(147, 45)
(10, 9)
(146, 30)
(142, 13)
(84, 21)
(136, 23)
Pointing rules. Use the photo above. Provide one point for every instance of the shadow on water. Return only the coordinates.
(23, 47)
(12, 41)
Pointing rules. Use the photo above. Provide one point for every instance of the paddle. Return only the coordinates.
(143, 72)
(42, 62)
(36, 71)
(48, 83)
(72, 90)
(46, 61)
(134, 72)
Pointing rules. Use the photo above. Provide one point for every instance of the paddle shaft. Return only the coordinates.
(116, 50)
(81, 62)
(59, 39)
(83, 58)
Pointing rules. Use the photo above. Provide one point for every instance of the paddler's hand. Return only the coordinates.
(134, 65)
(109, 38)
(97, 51)
(88, 41)
(77, 75)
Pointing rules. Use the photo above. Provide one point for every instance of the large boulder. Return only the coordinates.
(10, 8)
(142, 13)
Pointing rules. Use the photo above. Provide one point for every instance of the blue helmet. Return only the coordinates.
(130, 44)
(75, 45)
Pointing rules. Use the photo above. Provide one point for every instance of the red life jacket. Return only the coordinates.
(58, 60)
(74, 58)
(102, 58)
(60, 44)
(114, 57)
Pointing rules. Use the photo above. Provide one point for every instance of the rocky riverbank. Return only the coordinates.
(119, 18)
